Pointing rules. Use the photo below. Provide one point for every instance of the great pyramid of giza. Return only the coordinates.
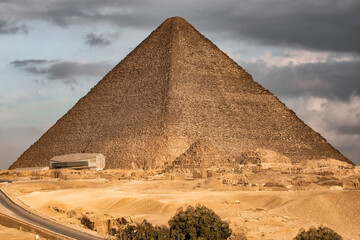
(175, 89)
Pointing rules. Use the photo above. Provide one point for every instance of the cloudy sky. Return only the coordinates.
(52, 52)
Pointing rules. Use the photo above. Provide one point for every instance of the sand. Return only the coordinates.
(16, 234)
(259, 214)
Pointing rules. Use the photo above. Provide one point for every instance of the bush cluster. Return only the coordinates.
(194, 223)
(320, 233)
(145, 231)
(198, 223)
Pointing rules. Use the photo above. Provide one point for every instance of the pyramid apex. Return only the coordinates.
(176, 20)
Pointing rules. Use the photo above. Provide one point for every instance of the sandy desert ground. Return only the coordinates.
(258, 214)
(15, 234)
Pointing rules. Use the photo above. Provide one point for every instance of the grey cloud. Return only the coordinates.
(350, 147)
(343, 117)
(26, 62)
(36, 70)
(346, 129)
(319, 25)
(101, 39)
(330, 79)
(96, 40)
(7, 29)
(313, 24)
(70, 71)
(337, 120)
(67, 70)
(354, 154)
(64, 16)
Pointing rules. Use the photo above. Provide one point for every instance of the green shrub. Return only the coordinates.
(145, 231)
(198, 223)
(320, 233)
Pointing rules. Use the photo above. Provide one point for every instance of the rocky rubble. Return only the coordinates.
(260, 169)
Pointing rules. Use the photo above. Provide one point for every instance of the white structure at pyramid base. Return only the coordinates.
(93, 161)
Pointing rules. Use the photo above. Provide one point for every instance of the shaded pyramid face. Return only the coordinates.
(174, 89)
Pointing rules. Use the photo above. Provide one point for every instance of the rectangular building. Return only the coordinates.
(94, 161)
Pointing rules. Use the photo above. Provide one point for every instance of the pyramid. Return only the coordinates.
(174, 89)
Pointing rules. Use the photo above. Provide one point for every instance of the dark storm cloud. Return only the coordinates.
(101, 39)
(313, 24)
(7, 29)
(70, 71)
(23, 63)
(330, 79)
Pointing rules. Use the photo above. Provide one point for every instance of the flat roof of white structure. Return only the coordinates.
(75, 157)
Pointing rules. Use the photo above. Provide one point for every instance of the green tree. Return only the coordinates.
(320, 233)
(198, 223)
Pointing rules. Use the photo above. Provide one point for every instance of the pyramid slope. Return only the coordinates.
(235, 112)
(174, 89)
